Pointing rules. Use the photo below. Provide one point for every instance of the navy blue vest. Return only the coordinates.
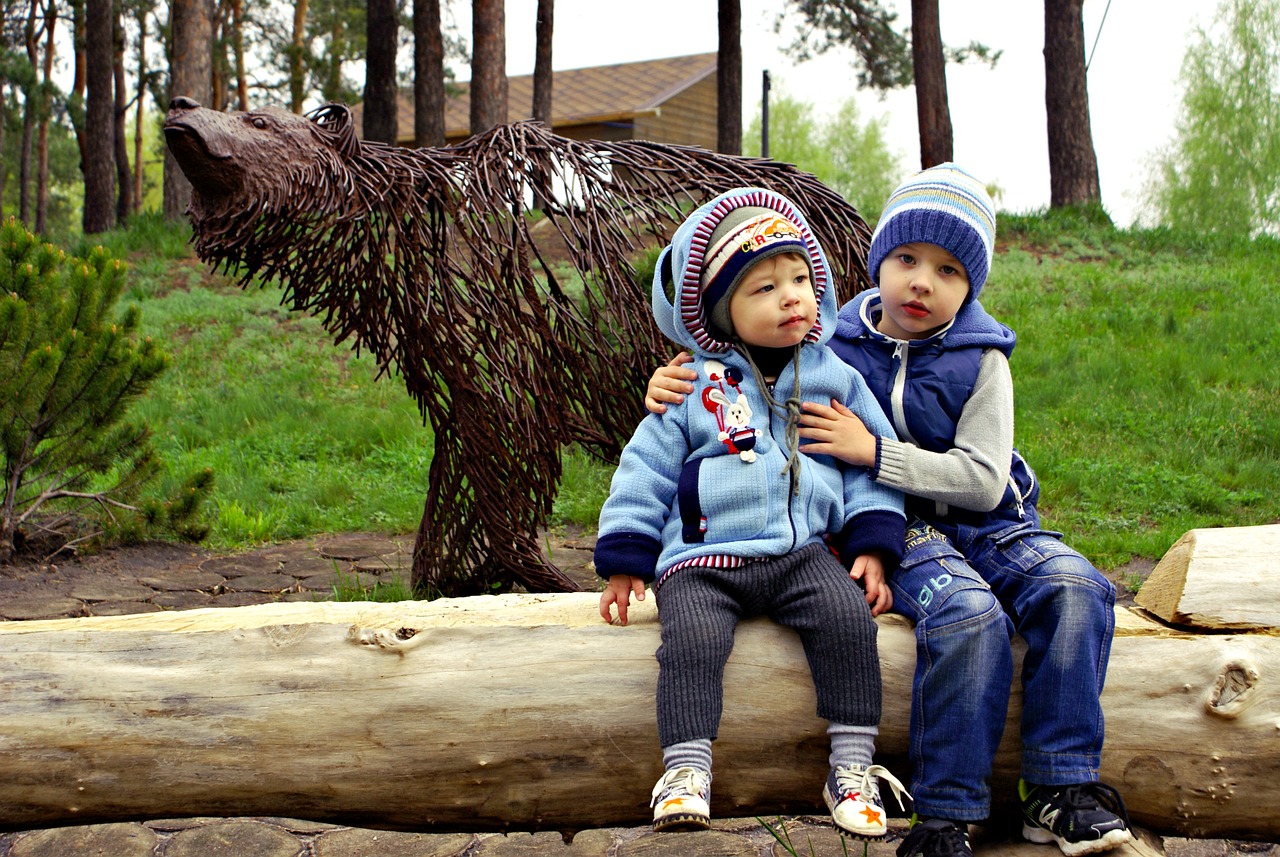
(940, 377)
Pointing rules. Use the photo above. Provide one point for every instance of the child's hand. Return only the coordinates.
(669, 384)
(619, 591)
(870, 570)
(837, 431)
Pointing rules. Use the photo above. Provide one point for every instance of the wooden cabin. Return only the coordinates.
(670, 100)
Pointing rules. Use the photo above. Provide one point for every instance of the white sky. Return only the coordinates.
(998, 115)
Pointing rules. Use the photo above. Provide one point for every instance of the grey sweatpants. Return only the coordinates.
(808, 590)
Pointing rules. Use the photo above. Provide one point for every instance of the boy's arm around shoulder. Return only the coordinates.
(972, 474)
(641, 496)
(874, 518)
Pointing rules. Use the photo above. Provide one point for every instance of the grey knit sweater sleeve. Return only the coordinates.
(972, 474)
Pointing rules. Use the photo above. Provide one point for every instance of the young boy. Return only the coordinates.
(718, 508)
(978, 567)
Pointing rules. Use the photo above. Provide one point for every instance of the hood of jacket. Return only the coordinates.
(972, 326)
(679, 272)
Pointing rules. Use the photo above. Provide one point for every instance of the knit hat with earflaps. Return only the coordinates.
(746, 236)
(942, 205)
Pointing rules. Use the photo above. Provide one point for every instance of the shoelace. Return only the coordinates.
(689, 781)
(1096, 795)
(937, 839)
(864, 782)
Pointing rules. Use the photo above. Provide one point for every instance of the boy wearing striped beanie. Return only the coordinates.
(716, 506)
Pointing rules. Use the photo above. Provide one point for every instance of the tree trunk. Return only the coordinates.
(99, 120)
(488, 65)
(929, 68)
(30, 117)
(428, 75)
(297, 72)
(1073, 165)
(729, 79)
(526, 711)
(190, 74)
(139, 110)
(42, 131)
(120, 143)
(542, 68)
(380, 121)
(79, 47)
(237, 46)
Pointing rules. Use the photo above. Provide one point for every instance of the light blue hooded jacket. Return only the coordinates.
(706, 482)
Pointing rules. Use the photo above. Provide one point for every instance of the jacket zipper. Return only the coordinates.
(897, 394)
(773, 418)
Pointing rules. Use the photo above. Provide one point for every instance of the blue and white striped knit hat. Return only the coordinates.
(942, 205)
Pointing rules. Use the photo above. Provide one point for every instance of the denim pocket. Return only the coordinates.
(1003, 538)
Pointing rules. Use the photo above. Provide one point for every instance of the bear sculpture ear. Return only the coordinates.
(335, 120)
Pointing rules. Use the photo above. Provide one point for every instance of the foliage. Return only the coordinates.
(66, 184)
(883, 55)
(69, 371)
(1145, 396)
(851, 157)
(1222, 171)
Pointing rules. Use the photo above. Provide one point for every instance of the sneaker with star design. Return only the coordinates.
(853, 795)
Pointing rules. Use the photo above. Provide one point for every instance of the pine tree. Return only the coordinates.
(70, 365)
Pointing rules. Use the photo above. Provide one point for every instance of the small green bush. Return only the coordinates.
(70, 367)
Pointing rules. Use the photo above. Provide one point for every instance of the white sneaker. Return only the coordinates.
(853, 796)
(682, 800)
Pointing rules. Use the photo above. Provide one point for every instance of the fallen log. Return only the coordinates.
(522, 712)
(1218, 579)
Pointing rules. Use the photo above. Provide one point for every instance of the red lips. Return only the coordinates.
(915, 310)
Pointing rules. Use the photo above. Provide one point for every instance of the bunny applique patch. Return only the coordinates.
(732, 417)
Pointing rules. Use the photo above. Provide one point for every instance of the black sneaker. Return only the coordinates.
(936, 837)
(1083, 819)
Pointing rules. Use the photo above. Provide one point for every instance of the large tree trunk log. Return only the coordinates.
(1218, 579)
(528, 712)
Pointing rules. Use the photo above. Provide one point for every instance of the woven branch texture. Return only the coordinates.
(498, 278)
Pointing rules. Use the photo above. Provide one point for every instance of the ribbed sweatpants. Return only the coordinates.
(808, 590)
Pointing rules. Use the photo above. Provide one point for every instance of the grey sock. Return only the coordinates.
(688, 754)
(851, 745)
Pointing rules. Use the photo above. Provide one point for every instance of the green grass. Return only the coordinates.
(1147, 398)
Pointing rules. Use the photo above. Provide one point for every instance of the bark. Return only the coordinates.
(929, 67)
(428, 75)
(42, 130)
(527, 712)
(488, 65)
(1073, 164)
(30, 115)
(297, 73)
(99, 163)
(380, 121)
(120, 144)
(191, 75)
(729, 79)
(237, 46)
(542, 68)
(139, 111)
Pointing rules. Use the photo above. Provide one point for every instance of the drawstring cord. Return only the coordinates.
(788, 410)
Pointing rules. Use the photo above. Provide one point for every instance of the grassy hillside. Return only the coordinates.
(1147, 396)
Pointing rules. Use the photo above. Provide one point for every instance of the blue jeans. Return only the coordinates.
(968, 593)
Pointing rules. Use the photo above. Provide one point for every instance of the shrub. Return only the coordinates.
(70, 366)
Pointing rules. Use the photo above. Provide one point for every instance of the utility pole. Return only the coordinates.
(764, 116)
